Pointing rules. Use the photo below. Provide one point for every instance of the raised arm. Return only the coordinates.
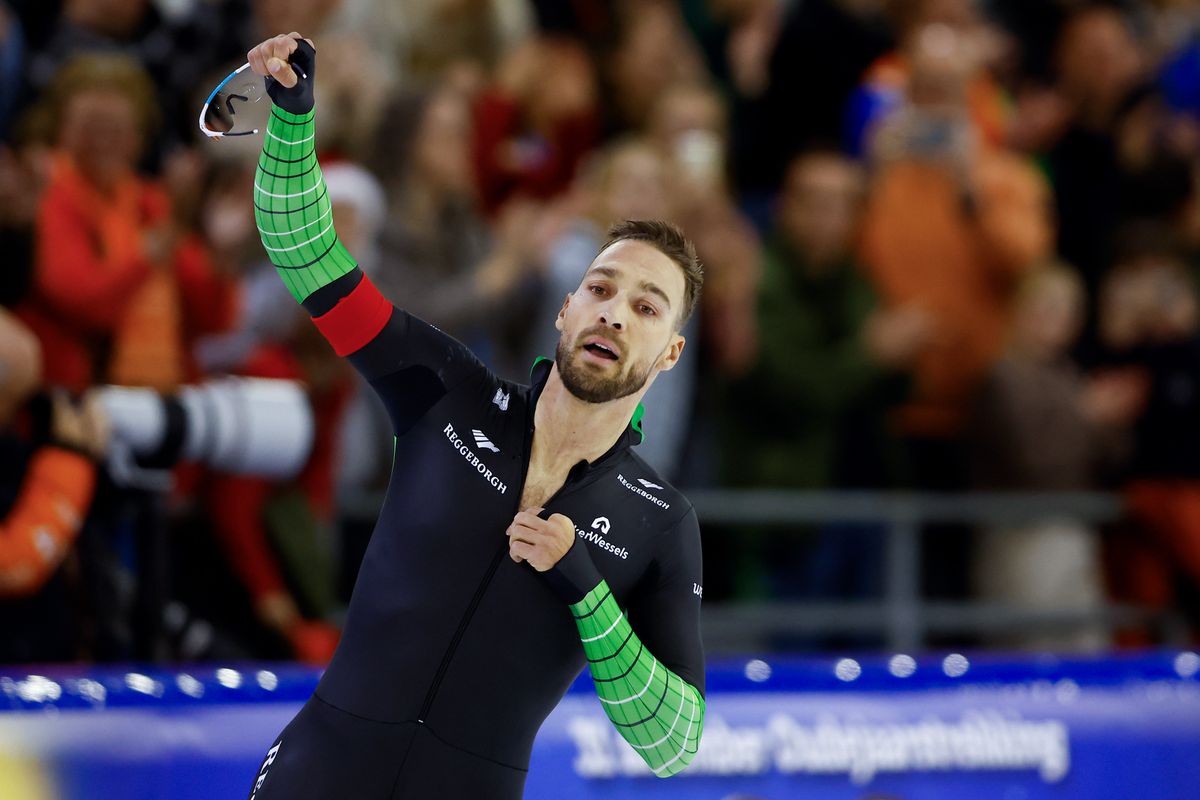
(291, 203)
(409, 363)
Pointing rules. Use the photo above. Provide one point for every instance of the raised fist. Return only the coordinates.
(289, 64)
(272, 58)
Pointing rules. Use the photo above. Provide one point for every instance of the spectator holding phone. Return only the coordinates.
(951, 224)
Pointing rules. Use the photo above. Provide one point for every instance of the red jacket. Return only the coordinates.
(90, 264)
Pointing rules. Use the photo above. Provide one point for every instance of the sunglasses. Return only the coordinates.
(239, 106)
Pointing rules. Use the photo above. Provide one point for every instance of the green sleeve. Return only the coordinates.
(656, 711)
(292, 208)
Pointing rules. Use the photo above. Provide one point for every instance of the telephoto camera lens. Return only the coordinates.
(245, 426)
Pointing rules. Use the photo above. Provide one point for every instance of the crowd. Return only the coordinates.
(949, 245)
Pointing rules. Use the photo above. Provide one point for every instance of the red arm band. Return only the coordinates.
(356, 319)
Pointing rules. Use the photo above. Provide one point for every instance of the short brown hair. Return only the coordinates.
(669, 240)
(102, 71)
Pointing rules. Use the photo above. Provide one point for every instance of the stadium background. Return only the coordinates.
(938, 411)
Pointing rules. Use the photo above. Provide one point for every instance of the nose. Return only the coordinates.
(610, 312)
(609, 319)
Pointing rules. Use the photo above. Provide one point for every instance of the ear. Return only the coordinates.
(562, 314)
(670, 356)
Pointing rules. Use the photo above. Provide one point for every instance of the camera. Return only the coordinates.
(246, 426)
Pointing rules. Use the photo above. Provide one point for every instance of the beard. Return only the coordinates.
(590, 387)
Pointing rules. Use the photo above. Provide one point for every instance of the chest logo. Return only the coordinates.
(638, 490)
(600, 528)
(501, 400)
(465, 451)
(648, 484)
(482, 442)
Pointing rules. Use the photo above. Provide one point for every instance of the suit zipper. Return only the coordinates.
(470, 612)
(458, 634)
(483, 584)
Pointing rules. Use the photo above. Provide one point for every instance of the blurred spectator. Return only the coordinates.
(359, 211)
(119, 287)
(689, 125)
(808, 414)
(227, 221)
(88, 26)
(45, 490)
(951, 224)
(1038, 425)
(22, 178)
(525, 128)
(438, 258)
(277, 538)
(177, 50)
(428, 38)
(223, 214)
(534, 125)
(833, 39)
(737, 37)
(825, 348)
(225, 218)
(1150, 314)
(889, 80)
(652, 52)
(358, 63)
(626, 180)
(416, 44)
(690, 128)
(1111, 147)
(310, 17)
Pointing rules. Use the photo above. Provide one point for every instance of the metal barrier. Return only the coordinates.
(904, 617)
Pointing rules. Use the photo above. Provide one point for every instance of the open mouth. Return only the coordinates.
(600, 351)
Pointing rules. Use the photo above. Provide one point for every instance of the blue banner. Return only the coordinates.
(853, 729)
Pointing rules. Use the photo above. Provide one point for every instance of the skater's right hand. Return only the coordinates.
(270, 58)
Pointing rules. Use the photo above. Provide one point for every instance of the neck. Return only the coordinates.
(568, 429)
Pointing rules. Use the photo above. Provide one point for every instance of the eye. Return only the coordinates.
(596, 289)
(649, 311)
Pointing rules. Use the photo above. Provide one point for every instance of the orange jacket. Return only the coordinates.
(922, 248)
(37, 534)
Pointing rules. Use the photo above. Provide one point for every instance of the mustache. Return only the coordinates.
(601, 330)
